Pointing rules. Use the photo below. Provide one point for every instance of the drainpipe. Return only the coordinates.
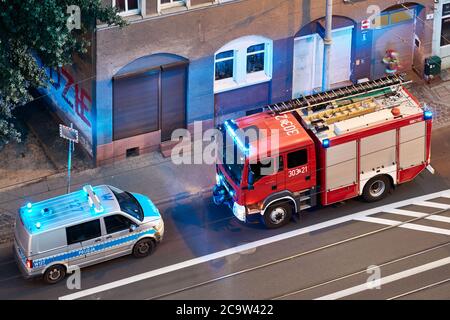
(327, 41)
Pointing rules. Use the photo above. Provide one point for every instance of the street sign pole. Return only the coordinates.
(69, 162)
(71, 134)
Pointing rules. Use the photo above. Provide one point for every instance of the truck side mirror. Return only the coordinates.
(251, 179)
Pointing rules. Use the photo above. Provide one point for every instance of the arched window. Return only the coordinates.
(243, 62)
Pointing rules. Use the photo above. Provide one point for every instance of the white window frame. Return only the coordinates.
(226, 81)
(129, 12)
(240, 76)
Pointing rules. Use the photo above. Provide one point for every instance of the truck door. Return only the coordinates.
(300, 169)
(269, 178)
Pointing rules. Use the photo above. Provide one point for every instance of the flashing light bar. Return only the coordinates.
(427, 115)
(326, 143)
(235, 137)
(94, 201)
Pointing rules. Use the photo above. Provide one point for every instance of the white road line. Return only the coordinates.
(439, 218)
(432, 204)
(411, 226)
(407, 213)
(245, 247)
(418, 215)
(386, 280)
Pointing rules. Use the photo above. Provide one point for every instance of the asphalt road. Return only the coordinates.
(208, 254)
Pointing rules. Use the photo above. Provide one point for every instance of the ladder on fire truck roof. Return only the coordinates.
(318, 100)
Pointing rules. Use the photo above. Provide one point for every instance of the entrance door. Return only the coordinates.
(306, 50)
(393, 36)
(308, 61)
(173, 99)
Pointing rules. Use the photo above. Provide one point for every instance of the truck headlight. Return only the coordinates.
(239, 211)
(218, 179)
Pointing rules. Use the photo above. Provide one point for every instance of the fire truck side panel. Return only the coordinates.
(414, 150)
(378, 157)
(341, 172)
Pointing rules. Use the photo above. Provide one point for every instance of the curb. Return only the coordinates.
(184, 196)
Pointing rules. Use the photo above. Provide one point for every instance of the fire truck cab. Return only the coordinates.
(359, 140)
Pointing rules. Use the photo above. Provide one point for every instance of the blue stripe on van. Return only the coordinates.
(98, 247)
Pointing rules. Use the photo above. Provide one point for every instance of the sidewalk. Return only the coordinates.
(436, 95)
(150, 174)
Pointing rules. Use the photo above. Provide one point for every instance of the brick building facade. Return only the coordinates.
(203, 60)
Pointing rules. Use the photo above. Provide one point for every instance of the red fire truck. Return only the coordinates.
(359, 140)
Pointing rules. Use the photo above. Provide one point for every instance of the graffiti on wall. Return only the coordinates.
(72, 102)
(74, 96)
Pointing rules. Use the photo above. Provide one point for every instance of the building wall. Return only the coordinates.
(197, 33)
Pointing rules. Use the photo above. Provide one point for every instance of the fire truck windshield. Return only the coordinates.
(232, 158)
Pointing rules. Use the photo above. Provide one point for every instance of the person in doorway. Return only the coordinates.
(391, 62)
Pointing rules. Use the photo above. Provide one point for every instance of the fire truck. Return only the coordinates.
(321, 149)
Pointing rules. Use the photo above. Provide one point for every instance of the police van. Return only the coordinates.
(59, 235)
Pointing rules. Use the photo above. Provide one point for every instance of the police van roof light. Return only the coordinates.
(94, 201)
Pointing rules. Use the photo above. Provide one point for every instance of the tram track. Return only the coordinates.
(297, 256)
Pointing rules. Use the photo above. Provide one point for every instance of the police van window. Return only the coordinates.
(116, 223)
(266, 167)
(297, 158)
(83, 232)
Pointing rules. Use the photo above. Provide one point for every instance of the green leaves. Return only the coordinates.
(39, 27)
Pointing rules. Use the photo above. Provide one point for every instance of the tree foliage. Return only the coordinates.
(39, 27)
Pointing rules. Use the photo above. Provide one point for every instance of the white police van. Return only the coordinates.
(59, 235)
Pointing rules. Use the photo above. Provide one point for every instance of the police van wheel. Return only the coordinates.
(277, 215)
(54, 274)
(143, 248)
(376, 188)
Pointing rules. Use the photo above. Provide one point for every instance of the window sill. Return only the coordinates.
(173, 9)
(229, 85)
(130, 13)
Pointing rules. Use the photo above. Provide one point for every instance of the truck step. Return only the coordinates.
(304, 207)
(304, 198)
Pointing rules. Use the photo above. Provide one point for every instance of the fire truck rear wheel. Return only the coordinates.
(376, 188)
(277, 215)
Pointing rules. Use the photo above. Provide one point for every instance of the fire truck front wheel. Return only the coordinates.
(376, 188)
(277, 215)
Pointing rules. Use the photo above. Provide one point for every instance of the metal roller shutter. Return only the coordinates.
(173, 99)
(136, 101)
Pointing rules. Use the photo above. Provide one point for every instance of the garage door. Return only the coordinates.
(150, 101)
(308, 61)
(136, 105)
